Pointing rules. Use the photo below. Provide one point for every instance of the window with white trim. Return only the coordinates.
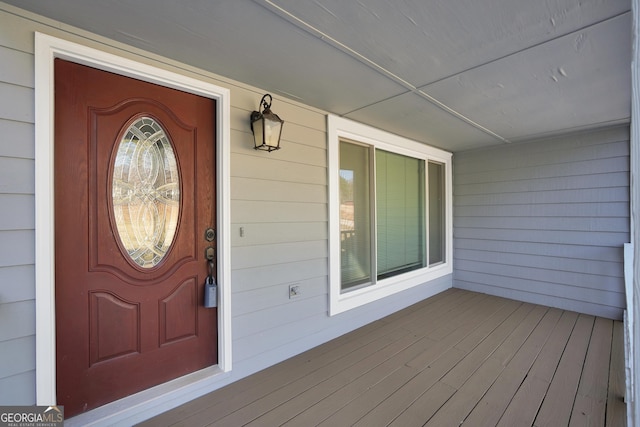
(390, 213)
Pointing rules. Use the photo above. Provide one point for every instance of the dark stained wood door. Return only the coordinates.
(134, 195)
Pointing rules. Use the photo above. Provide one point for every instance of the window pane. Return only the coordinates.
(436, 213)
(355, 221)
(399, 213)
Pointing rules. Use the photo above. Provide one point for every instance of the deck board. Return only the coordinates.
(246, 390)
(416, 397)
(616, 410)
(494, 403)
(483, 349)
(591, 400)
(558, 402)
(351, 393)
(459, 358)
(526, 402)
(297, 402)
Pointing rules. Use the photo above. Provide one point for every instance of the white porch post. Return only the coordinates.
(632, 340)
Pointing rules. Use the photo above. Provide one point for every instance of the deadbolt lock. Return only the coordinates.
(210, 235)
(210, 253)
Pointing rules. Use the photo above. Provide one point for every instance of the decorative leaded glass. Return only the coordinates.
(146, 192)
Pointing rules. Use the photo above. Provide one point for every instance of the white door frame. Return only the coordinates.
(159, 398)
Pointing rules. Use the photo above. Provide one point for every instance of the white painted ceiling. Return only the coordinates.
(458, 74)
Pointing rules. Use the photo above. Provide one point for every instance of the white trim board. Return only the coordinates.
(160, 398)
(632, 252)
(340, 128)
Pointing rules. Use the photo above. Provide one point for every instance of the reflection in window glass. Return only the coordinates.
(385, 232)
(355, 221)
(399, 214)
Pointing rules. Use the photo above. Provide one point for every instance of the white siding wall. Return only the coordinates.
(546, 221)
(279, 199)
(17, 288)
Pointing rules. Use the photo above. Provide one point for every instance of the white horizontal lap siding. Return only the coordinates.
(279, 238)
(279, 234)
(545, 221)
(17, 222)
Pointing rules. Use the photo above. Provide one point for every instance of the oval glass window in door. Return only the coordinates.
(145, 192)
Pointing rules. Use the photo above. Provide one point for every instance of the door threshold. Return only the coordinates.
(153, 401)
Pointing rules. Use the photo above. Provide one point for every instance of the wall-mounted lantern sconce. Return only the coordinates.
(266, 127)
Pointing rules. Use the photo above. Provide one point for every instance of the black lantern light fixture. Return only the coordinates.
(266, 127)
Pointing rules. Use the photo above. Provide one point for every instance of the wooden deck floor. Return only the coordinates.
(459, 358)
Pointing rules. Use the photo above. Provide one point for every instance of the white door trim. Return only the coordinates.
(47, 48)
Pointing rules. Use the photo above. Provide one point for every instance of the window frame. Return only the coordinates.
(338, 129)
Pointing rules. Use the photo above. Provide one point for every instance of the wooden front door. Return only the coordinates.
(134, 197)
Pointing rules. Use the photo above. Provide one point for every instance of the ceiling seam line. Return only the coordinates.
(440, 105)
(378, 102)
(366, 61)
(524, 49)
(423, 87)
(335, 43)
